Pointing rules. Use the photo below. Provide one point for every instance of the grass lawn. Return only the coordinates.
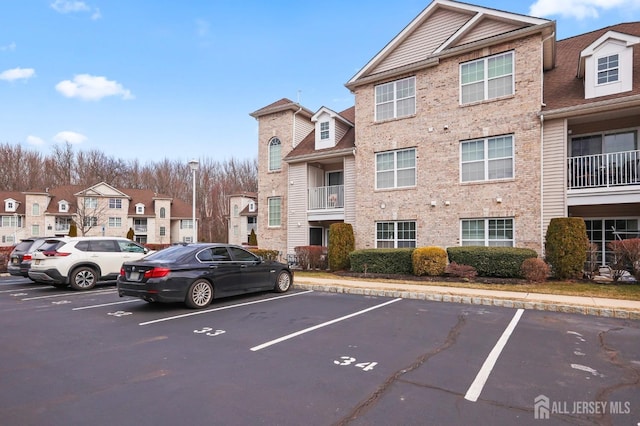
(626, 291)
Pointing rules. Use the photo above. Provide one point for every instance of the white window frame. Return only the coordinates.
(393, 94)
(140, 209)
(488, 159)
(63, 207)
(115, 203)
(485, 80)
(89, 221)
(11, 221)
(35, 230)
(486, 239)
(393, 230)
(324, 130)
(163, 231)
(186, 224)
(115, 222)
(274, 213)
(91, 202)
(275, 155)
(607, 70)
(396, 169)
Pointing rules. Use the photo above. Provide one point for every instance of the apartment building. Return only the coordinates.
(98, 210)
(473, 126)
(243, 217)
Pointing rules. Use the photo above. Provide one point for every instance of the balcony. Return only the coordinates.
(140, 229)
(326, 203)
(616, 169)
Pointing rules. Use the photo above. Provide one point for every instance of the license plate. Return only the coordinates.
(37, 261)
(134, 276)
(14, 260)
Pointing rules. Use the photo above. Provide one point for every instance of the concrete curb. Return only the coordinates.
(607, 312)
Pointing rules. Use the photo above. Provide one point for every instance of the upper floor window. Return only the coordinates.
(10, 205)
(91, 203)
(487, 232)
(235, 210)
(186, 224)
(396, 99)
(324, 130)
(89, 221)
(487, 78)
(139, 208)
(115, 222)
(252, 206)
(35, 209)
(396, 169)
(608, 69)
(13, 221)
(163, 212)
(487, 159)
(115, 203)
(35, 230)
(275, 215)
(163, 231)
(275, 154)
(63, 206)
(395, 234)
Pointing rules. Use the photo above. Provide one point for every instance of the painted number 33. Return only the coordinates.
(347, 360)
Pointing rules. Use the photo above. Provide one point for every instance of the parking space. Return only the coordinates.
(307, 357)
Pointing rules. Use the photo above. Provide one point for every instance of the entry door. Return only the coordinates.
(315, 236)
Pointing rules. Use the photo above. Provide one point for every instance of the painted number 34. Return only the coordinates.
(347, 360)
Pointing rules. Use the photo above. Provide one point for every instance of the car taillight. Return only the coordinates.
(26, 257)
(53, 253)
(122, 274)
(157, 272)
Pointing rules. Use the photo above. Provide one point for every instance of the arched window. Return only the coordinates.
(163, 212)
(35, 211)
(235, 210)
(275, 154)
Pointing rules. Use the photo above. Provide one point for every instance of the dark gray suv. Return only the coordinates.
(20, 257)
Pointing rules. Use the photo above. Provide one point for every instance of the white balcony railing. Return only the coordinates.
(604, 170)
(326, 197)
(140, 228)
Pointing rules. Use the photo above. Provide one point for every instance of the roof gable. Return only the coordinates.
(444, 25)
(101, 189)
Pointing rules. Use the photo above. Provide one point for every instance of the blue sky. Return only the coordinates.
(151, 79)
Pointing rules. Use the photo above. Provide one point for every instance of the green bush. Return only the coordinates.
(265, 254)
(253, 238)
(429, 261)
(502, 262)
(382, 261)
(566, 247)
(341, 243)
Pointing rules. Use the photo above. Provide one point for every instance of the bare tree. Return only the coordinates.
(90, 213)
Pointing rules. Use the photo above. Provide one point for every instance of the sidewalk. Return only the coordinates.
(615, 308)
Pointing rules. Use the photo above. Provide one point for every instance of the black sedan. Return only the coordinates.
(197, 273)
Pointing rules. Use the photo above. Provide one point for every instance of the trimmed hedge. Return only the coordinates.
(502, 262)
(429, 261)
(341, 243)
(382, 261)
(566, 246)
(265, 253)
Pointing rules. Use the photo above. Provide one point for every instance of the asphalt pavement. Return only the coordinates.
(604, 307)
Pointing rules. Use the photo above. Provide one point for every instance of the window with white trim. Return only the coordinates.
(396, 234)
(487, 78)
(396, 169)
(324, 130)
(396, 99)
(115, 203)
(13, 221)
(63, 207)
(140, 209)
(275, 154)
(91, 203)
(89, 221)
(608, 69)
(186, 224)
(487, 232)
(275, 214)
(486, 159)
(115, 222)
(163, 212)
(35, 209)
(163, 231)
(35, 230)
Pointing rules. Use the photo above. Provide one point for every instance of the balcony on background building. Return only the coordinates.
(326, 203)
(140, 228)
(618, 169)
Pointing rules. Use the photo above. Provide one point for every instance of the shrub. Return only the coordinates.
(535, 270)
(341, 243)
(566, 247)
(253, 238)
(382, 261)
(429, 261)
(311, 257)
(463, 271)
(503, 262)
(73, 229)
(592, 266)
(627, 255)
(265, 254)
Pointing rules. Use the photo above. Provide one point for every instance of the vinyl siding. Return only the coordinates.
(554, 172)
(297, 207)
(349, 190)
(487, 28)
(302, 127)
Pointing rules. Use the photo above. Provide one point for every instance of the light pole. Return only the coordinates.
(193, 164)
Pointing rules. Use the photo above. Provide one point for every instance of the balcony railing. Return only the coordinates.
(604, 170)
(62, 227)
(326, 197)
(140, 228)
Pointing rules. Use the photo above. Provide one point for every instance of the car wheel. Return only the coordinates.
(83, 278)
(283, 282)
(200, 294)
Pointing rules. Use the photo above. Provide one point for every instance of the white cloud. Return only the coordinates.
(8, 48)
(17, 74)
(69, 136)
(92, 88)
(34, 140)
(96, 14)
(68, 6)
(578, 9)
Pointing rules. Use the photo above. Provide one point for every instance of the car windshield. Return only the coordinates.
(23, 245)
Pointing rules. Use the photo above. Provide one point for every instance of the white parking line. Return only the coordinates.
(223, 308)
(106, 304)
(26, 289)
(70, 293)
(476, 387)
(324, 324)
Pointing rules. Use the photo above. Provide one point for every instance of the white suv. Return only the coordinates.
(82, 261)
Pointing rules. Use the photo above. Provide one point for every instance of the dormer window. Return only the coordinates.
(63, 207)
(139, 208)
(324, 130)
(252, 206)
(608, 69)
(10, 205)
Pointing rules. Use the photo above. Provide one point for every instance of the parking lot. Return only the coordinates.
(304, 357)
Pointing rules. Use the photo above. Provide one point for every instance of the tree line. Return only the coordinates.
(27, 170)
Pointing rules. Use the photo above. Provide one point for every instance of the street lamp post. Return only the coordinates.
(193, 164)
